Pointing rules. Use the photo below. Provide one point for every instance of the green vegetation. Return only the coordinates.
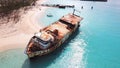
(9, 8)
(10, 5)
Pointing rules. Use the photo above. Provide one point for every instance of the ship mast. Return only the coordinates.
(76, 11)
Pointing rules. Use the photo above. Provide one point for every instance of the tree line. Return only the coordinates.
(9, 5)
(9, 9)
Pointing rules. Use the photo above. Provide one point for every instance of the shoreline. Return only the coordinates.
(17, 35)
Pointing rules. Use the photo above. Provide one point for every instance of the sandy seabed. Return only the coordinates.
(18, 35)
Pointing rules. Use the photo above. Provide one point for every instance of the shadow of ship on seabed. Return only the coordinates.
(46, 60)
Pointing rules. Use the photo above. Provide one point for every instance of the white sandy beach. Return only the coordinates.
(18, 35)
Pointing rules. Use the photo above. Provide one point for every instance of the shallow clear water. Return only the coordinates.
(94, 45)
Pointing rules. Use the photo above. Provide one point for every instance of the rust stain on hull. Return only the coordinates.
(52, 36)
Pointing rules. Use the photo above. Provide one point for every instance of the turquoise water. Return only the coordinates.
(95, 45)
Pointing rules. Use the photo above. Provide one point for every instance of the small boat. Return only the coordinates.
(52, 36)
(49, 15)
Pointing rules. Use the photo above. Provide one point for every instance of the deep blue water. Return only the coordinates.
(95, 45)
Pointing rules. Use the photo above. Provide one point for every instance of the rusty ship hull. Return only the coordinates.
(52, 36)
